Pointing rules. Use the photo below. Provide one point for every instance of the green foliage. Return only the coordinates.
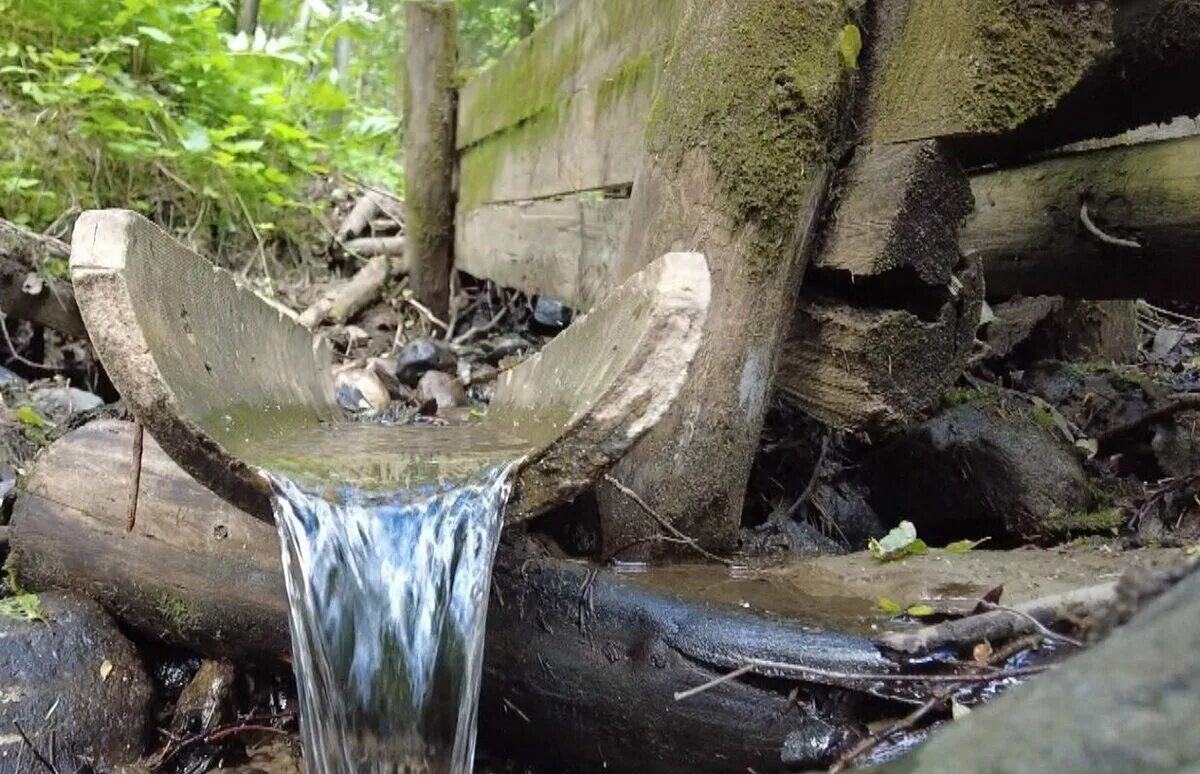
(897, 544)
(155, 105)
(22, 607)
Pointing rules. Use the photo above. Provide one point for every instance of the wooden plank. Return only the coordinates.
(575, 51)
(1027, 224)
(562, 248)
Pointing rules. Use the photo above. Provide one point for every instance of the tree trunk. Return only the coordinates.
(429, 155)
(592, 657)
(248, 16)
(734, 167)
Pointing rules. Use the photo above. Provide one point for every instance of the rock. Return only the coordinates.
(442, 389)
(361, 390)
(1129, 703)
(8, 378)
(420, 356)
(551, 314)
(204, 703)
(987, 468)
(74, 684)
(58, 403)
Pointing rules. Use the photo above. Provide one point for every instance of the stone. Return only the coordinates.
(1129, 703)
(361, 390)
(74, 684)
(551, 314)
(441, 388)
(58, 403)
(417, 357)
(204, 703)
(986, 468)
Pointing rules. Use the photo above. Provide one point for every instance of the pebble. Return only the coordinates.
(361, 390)
(421, 356)
(551, 314)
(442, 389)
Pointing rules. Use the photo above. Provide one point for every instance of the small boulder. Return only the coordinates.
(551, 314)
(74, 685)
(442, 389)
(418, 357)
(361, 390)
(205, 702)
(986, 469)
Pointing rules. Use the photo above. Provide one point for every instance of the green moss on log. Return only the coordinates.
(178, 613)
(986, 66)
(764, 98)
(1061, 523)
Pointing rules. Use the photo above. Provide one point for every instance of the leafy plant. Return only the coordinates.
(902, 541)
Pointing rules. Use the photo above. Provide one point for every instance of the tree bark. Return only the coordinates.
(429, 155)
(593, 657)
(734, 167)
(248, 16)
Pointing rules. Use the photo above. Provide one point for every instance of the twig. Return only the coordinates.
(662, 522)
(135, 477)
(905, 723)
(1048, 633)
(474, 331)
(424, 310)
(262, 252)
(36, 753)
(13, 350)
(1103, 237)
(812, 481)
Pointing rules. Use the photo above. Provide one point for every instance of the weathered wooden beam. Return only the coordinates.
(592, 656)
(1008, 77)
(431, 35)
(736, 154)
(1143, 206)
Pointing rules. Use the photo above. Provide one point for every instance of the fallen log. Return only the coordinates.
(26, 294)
(585, 653)
(1117, 222)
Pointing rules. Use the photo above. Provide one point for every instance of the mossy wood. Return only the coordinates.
(431, 34)
(197, 572)
(1028, 226)
(1006, 76)
(738, 147)
(230, 387)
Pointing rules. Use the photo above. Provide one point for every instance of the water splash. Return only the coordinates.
(387, 601)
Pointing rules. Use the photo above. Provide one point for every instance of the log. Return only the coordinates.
(734, 164)
(1004, 78)
(877, 368)
(1028, 226)
(431, 35)
(585, 653)
(48, 301)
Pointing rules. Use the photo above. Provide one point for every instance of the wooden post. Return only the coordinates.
(429, 156)
(735, 166)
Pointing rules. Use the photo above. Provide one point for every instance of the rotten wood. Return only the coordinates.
(27, 293)
(429, 96)
(585, 652)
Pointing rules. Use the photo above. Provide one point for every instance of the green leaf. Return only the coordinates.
(888, 606)
(898, 543)
(964, 546)
(849, 43)
(919, 611)
(26, 415)
(22, 607)
(154, 33)
(194, 137)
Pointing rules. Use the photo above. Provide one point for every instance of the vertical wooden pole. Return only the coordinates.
(750, 106)
(432, 56)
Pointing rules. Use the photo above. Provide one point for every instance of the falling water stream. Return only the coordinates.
(387, 602)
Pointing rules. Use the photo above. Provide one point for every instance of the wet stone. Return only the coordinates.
(74, 685)
(551, 314)
(361, 390)
(204, 703)
(420, 356)
(58, 403)
(442, 389)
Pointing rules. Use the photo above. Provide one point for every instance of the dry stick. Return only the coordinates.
(662, 522)
(370, 246)
(135, 478)
(812, 481)
(1096, 232)
(13, 350)
(1042, 628)
(750, 664)
(36, 753)
(489, 325)
(427, 313)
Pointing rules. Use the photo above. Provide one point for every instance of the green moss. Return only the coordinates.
(178, 613)
(481, 166)
(976, 396)
(761, 87)
(987, 66)
(1105, 519)
(628, 76)
(1044, 418)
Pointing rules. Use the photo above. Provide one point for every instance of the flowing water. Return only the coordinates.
(387, 601)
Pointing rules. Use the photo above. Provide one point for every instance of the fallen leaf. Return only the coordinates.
(898, 543)
(889, 607)
(963, 546)
(850, 45)
(958, 711)
(920, 611)
(22, 607)
(982, 653)
(27, 415)
(106, 668)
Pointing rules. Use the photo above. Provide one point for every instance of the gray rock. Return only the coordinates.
(985, 470)
(1130, 703)
(441, 388)
(205, 702)
(74, 684)
(420, 356)
(551, 314)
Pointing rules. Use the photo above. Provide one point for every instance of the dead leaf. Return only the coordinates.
(106, 668)
(982, 653)
(958, 711)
